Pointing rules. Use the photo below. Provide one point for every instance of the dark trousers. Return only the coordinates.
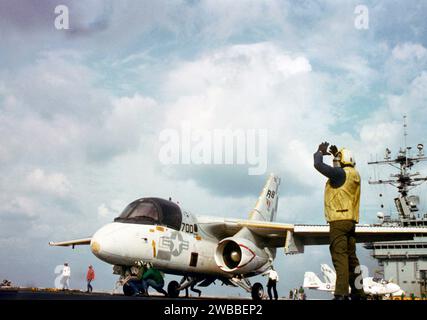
(151, 283)
(89, 286)
(272, 284)
(136, 286)
(192, 287)
(342, 239)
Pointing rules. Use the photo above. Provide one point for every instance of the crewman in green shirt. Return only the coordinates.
(153, 278)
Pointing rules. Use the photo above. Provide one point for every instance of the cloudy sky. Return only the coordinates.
(81, 111)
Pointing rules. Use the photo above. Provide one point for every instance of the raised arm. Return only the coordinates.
(336, 175)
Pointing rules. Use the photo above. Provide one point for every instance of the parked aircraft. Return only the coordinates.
(371, 286)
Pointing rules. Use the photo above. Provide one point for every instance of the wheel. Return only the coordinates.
(127, 290)
(257, 291)
(173, 291)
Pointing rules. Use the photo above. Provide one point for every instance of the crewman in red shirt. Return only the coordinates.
(90, 277)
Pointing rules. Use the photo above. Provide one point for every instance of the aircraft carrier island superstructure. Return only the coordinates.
(405, 262)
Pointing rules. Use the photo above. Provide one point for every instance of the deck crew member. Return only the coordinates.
(66, 274)
(341, 207)
(153, 278)
(90, 276)
(273, 278)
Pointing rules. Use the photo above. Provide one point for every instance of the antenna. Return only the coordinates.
(404, 180)
(405, 135)
(405, 132)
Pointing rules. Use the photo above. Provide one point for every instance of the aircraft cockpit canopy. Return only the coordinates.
(380, 280)
(152, 211)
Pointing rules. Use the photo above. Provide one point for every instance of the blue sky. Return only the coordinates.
(81, 111)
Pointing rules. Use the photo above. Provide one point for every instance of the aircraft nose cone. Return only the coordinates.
(95, 244)
(394, 287)
(95, 247)
(102, 243)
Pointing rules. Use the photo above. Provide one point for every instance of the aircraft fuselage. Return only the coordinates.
(172, 251)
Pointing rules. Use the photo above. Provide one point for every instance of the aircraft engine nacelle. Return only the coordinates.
(237, 255)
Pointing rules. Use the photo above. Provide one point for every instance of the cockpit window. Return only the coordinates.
(152, 211)
(145, 210)
(171, 214)
(128, 209)
(380, 280)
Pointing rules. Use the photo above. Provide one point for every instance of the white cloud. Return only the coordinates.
(254, 66)
(55, 183)
(57, 105)
(289, 66)
(412, 101)
(19, 207)
(403, 64)
(379, 134)
(130, 118)
(409, 50)
(4, 154)
(110, 211)
(223, 19)
(263, 87)
(103, 211)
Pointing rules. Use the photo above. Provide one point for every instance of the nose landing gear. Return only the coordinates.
(173, 289)
(127, 290)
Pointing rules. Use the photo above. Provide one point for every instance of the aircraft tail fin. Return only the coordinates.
(266, 206)
(311, 281)
(328, 274)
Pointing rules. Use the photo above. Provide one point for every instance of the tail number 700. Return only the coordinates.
(189, 228)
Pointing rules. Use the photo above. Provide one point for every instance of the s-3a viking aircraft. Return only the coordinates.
(374, 287)
(205, 248)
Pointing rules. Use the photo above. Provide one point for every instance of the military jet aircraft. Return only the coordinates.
(204, 248)
(374, 287)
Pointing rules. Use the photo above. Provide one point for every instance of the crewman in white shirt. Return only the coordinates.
(273, 278)
(66, 274)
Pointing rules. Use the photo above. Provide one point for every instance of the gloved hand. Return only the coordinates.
(139, 263)
(333, 150)
(323, 147)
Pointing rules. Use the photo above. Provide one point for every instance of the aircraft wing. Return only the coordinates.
(221, 228)
(319, 234)
(77, 242)
(293, 237)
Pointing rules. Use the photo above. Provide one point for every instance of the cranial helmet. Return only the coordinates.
(346, 157)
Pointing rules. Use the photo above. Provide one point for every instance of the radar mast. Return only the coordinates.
(404, 180)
